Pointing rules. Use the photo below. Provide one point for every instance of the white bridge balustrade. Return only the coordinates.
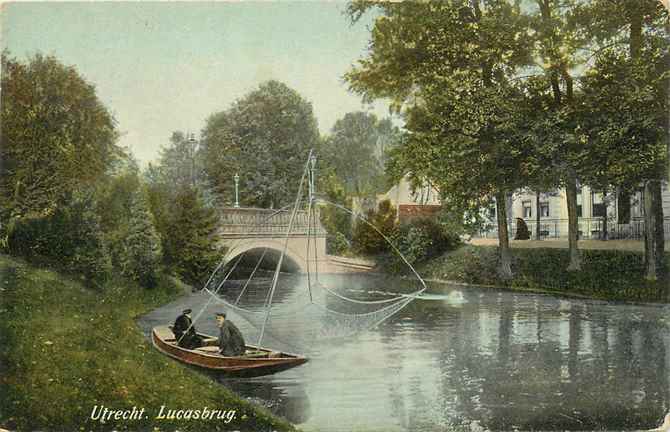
(255, 222)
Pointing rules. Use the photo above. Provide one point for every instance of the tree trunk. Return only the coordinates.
(537, 216)
(654, 242)
(505, 269)
(623, 207)
(604, 233)
(573, 225)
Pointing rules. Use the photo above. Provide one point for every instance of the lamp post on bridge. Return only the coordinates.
(312, 177)
(192, 149)
(237, 196)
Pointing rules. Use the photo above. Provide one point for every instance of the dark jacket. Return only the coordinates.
(187, 339)
(231, 342)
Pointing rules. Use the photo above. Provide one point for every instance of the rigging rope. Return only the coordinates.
(258, 264)
(281, 257)
(314, 317)
(218, 267)
(383, 236)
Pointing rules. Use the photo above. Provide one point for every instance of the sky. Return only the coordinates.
(166, 66)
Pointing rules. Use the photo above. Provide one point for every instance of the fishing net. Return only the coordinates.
(299, 321)
(301, 310)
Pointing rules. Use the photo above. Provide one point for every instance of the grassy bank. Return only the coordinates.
(605, 274)
(65, 349)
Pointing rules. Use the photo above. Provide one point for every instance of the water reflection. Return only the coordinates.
(503, 360)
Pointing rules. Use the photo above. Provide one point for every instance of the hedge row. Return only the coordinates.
(605, 274)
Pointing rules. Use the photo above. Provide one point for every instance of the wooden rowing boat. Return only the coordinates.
(255, 362)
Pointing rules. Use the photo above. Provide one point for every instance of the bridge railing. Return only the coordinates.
(253, 221)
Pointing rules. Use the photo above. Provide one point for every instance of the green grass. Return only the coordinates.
(605, 274)
(65, 348)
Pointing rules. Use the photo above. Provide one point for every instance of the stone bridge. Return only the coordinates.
(253, 231)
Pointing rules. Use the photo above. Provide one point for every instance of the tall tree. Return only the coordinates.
(181, 165)
(115, 197)
(190, 241)
(558, 41)
(448, 65)
(355, 150)
(142, 247)
(181, 161)
(627, 108)
(265, 137)
(56, 135)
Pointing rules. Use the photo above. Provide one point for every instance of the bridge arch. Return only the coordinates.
(295, 261)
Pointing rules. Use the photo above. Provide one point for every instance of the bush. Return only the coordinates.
(605, 274)
(337, 244)
(366, 240)
(68, 239)
(419, 241)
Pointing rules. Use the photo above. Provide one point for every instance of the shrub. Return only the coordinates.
(367, 240)
(419, 241)
(337, 244)
(68, 239)
(605, 274)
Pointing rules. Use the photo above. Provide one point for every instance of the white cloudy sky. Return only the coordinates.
(167, 66)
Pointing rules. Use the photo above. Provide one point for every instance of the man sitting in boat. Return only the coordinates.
(231, 342)
(184, 331)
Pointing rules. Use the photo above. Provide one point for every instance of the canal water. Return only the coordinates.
(469, 358)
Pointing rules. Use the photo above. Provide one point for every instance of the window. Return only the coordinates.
(527, 210)
(598, 208)
(579, 201)
(492, 212)
(623, 207)
(544, 209)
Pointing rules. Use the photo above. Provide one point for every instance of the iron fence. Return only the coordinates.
(589, 228)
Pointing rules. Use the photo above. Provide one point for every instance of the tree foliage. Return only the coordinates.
(265, 137)
(181, 161)
(448, 65)
(356, 150)
(368, 237)
(190, 238)
(69, 238)
(56, 135)
(499, 95)
(142, 245)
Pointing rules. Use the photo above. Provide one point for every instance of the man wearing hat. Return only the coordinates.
(184, 331)
(231, 342)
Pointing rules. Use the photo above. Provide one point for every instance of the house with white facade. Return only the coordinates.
(411, 203)
(613, 215)
(624, 213)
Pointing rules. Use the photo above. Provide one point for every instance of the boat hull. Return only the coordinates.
(163, 339)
